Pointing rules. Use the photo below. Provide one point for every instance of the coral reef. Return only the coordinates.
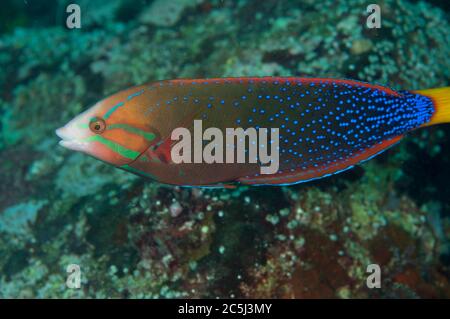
(134, 238)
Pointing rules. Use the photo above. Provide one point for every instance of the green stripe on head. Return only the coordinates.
(121, 150)
(147, 135)
(111, 110)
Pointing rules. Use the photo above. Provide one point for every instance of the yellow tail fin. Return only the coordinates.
(441, 101)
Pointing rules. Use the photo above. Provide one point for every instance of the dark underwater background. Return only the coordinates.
(134, 238)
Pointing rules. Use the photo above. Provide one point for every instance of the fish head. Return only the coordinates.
(113, 130)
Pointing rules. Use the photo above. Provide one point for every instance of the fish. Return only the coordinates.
(325, 125)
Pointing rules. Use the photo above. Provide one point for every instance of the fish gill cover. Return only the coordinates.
(134, 238)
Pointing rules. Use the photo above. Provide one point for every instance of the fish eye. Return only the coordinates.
(97, 125)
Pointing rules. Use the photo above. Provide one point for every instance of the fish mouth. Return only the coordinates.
(68, 140)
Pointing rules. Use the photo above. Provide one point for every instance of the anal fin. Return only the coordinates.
(301, 176)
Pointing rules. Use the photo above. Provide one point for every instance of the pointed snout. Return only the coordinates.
(71, 138)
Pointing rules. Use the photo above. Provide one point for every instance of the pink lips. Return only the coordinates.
(68, 140)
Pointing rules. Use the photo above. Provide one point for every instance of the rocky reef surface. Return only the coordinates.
(134, 238)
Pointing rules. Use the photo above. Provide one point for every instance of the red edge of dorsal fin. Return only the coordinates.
(282, 80)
